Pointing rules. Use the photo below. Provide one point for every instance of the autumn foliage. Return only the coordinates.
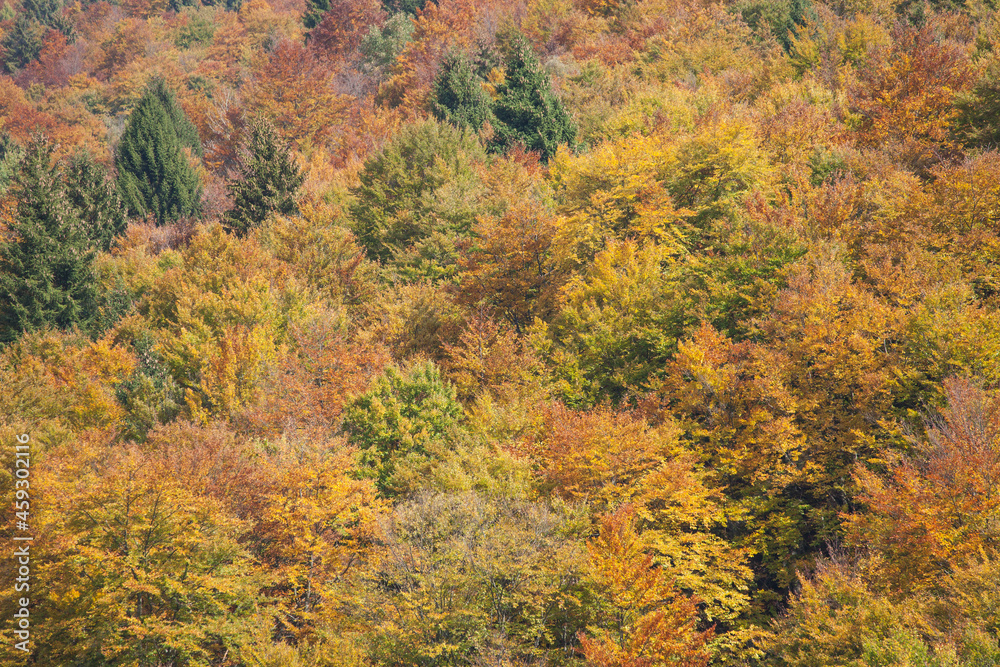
(502, 333)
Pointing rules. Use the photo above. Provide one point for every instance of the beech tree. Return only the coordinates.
(418, 198)
(405, 415)
(645, 620)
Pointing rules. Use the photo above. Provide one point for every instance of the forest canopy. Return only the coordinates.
(501, 333)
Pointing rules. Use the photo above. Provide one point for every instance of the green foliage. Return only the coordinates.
(155, 176)
(779, 19)
(178, 5)
(408, 7)
(22, 44)
(619, 323)
(406, 415)
(267, 182)
(10, 157)
(198, 31)
(315, 9)
(459, 94)
(95, 198)
(149, 393)
(977, 124)
(527, 110)
(46, 266)
(471, 580)
(418, 198)
(381, 46)
(24, 41)
(46, 12)
(519, 105)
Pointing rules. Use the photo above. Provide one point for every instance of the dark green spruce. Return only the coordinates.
(267, 182)
(459, 95)
(155, 177)
(523, 110)
(527, 110)
(46, 263)
(93, 194)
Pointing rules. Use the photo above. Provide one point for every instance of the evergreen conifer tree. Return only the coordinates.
(24, 41)
(411, 7)
(459, 97)
(10, 159)
(22, 44)
(268, 180)
(95, 198)
(527, 110)
(315, 9)
(46, 266)
(154, 175)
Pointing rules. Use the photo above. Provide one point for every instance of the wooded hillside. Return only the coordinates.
(502, 333)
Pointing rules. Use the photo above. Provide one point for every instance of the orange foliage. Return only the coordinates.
(597, 456)
(53, 68)
(439, 27)
(123, 46)
(298, 94)
(905, 96)
(18, 117)
(344, 25)
(940, 506)
(649, 622)
(307, 389)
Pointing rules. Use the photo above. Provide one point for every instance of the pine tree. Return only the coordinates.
(315, 9)
(526, 109)
(459, 97)
(268, 180)
(154, 174)
(46, 274)
(95, 198)
(22, 44)
(10, 157)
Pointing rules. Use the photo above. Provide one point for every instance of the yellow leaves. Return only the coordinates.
(692, 38)
(219, 320)
(76, 377)
(615, 191)
(622, 277)
(646, 619)
(859, 36)
(598, 456)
